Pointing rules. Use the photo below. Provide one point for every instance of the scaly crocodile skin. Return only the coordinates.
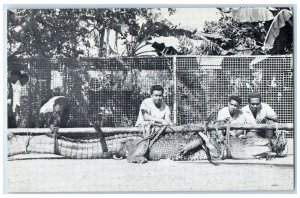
(166, 146)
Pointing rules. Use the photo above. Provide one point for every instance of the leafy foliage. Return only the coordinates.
(250, 31)
(74, 32)
(279, 33)
(43, 33)
(233, 37)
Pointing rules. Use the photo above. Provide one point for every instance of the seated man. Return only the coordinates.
(232, 114)
(55, 112)
(257, 112)
(153, 109)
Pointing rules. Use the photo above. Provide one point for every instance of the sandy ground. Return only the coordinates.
(100, 175)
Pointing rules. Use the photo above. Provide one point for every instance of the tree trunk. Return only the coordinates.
(116, 43)
(107, 42)
(102, 31)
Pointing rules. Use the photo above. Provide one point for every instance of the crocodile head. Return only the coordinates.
(237, 148)
(249, 147)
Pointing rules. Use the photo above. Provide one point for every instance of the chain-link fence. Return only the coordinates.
(112, 89)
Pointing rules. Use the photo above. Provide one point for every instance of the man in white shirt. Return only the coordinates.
(13, 78)
(232, 114)
(17, 89)
(153, 109)
(257, 112)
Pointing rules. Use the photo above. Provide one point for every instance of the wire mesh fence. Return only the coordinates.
(111, 90)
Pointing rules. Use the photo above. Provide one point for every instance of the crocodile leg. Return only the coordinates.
(136, 155)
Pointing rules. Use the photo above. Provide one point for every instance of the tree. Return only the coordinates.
(43, 33)
(228, 37)
(256, 30)
(137, 27)
(68, 32)
(279, 36)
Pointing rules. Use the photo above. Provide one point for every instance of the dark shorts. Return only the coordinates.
(11, 122)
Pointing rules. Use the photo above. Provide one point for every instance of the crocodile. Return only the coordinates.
(133, 147)
(118, 146)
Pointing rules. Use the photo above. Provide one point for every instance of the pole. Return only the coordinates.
(173, 129)
(175, 90)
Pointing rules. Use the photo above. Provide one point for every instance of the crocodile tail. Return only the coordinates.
(207, 152)
(212, 149)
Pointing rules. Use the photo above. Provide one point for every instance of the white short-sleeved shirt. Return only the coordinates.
(17, 88)
(150, 107)
(264, 111)
(238, 118)
(48, 106)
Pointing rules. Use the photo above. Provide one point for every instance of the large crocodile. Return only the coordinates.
(118, 145)
(168, 145)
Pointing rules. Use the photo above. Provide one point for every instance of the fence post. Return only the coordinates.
(175, 90)
(30, 101)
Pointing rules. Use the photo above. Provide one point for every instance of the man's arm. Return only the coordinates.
(273, 117)
(16, 100)
(241, 120)
(237, 133)
(148, 117)
(17, 113)
(268, 115)
(222, 116)
(168, 117)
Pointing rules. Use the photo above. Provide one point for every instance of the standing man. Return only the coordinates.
(257, 112)
(232, 114)
(153, 109)
(14, 76)
(17, 88)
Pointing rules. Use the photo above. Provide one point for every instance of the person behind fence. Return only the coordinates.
(55, 112)
(153, 109)
(14, 76)
(257, 112)
(17, 89)
(232, 114)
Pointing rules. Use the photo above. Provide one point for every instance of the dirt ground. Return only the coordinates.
(100, 175)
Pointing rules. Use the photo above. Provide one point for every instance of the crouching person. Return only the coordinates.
(153, 109)
(257, 112)
(232, 114)
(55, 113)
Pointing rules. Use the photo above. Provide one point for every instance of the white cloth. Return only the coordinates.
(238, 118)
(17, 88)
(56, 79)
(49, 106)
(264, 111)
(152, 110)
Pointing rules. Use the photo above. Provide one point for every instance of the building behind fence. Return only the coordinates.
(111, 90)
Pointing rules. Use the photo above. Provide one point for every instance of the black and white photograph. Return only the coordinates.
(149, 99)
